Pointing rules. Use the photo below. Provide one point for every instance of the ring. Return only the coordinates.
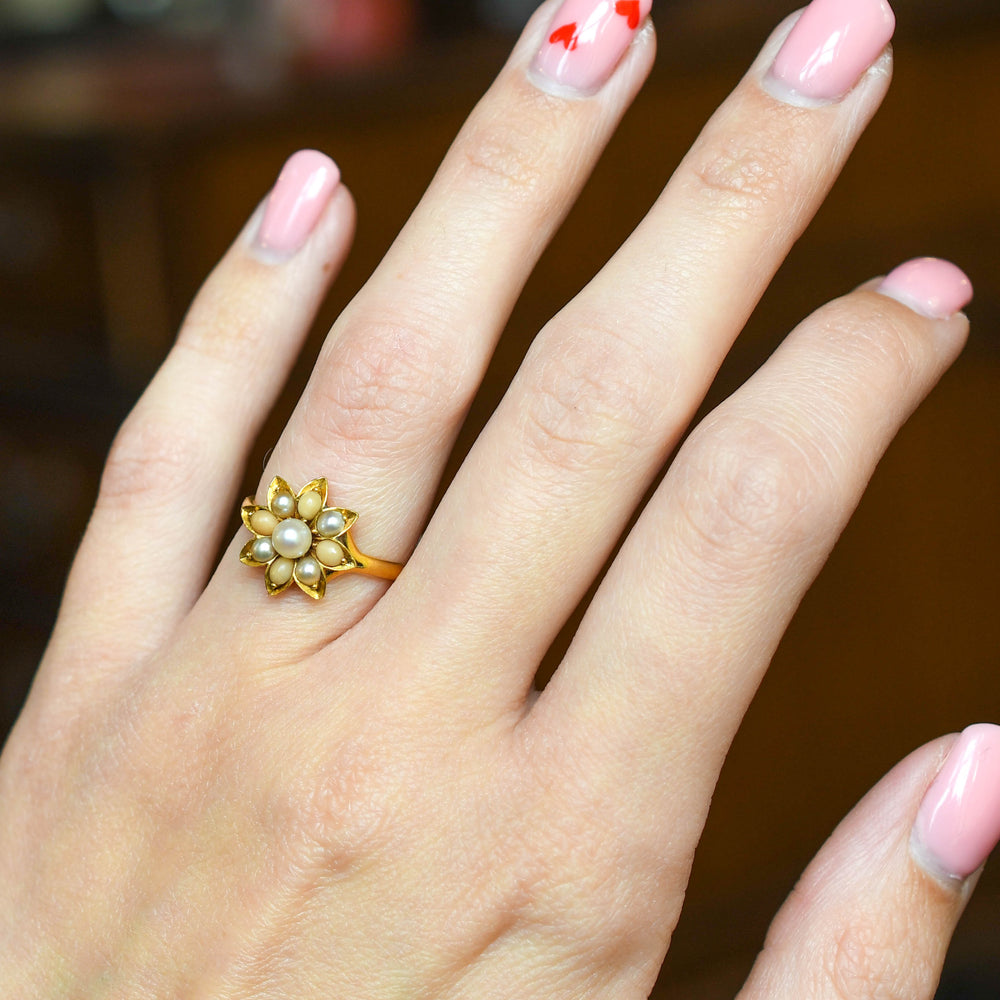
(297, 537)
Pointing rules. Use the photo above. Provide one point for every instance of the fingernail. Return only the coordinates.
(296, 202)
(831, 46)
(586, 41)
(932, 287)
(958, 824)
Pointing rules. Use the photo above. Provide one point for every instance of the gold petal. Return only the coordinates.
(318, 486)
(272, 587)
(347, 564)
(276, 486)
(247, 511)
(246, 555)
(349, 518)
(316, 592)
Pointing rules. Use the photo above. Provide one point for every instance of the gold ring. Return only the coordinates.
(298, 538)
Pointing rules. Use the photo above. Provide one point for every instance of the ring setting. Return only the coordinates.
(299, 539)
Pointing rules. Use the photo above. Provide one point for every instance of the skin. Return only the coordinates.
(220, 795)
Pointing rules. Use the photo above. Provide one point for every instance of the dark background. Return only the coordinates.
(137, 135)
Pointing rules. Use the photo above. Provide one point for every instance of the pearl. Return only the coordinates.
(262, 550)
(292, 538)
(283, 504)
(331, 522)
(310, 504)
(308, 571)
(263, 522)
(280, 571)
(329, 553)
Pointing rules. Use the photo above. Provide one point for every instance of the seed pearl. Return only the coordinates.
(263, 522)
(329, 553)
(263, 550)
(280, 571)
(310, 504)
(308, 571)
(292, 538)
(283, 504)
(330, 522)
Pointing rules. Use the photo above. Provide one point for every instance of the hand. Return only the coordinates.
(216, 793)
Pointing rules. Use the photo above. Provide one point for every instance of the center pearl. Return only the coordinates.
(291, 538)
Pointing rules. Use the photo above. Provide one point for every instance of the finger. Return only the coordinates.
(874, 913)
(610, 384)
(401, 365)
(175, 465)
(683, 627)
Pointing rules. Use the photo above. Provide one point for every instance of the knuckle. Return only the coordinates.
(572, 882)
(330, 815)
(219, 333)
(505, 157)
(390, 375)
(878, 342)
(591, 890)
(148, 457)
(865, 962)
(743, 176)
(338, 819)
(599, 875)
(586, 405)
(750, 491)
(154, 749)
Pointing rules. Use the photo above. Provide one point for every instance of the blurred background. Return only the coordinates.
(137, 135)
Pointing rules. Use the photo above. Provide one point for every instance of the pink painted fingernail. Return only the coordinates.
(586, 41)
(296, 202)
(958, 824)
(831, 46)
(932, 287)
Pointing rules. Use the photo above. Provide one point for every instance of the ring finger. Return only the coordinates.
(402, 363)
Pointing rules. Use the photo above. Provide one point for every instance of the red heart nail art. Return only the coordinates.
(567, 34)
(629, 9)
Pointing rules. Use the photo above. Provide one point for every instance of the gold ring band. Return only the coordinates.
(298, 539)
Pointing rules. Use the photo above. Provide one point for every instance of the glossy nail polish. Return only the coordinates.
(831, 46)
(932, 287)
(958, 824)
(586, 41)
(296, 202)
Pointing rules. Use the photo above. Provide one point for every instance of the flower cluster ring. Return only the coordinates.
(298, 538)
